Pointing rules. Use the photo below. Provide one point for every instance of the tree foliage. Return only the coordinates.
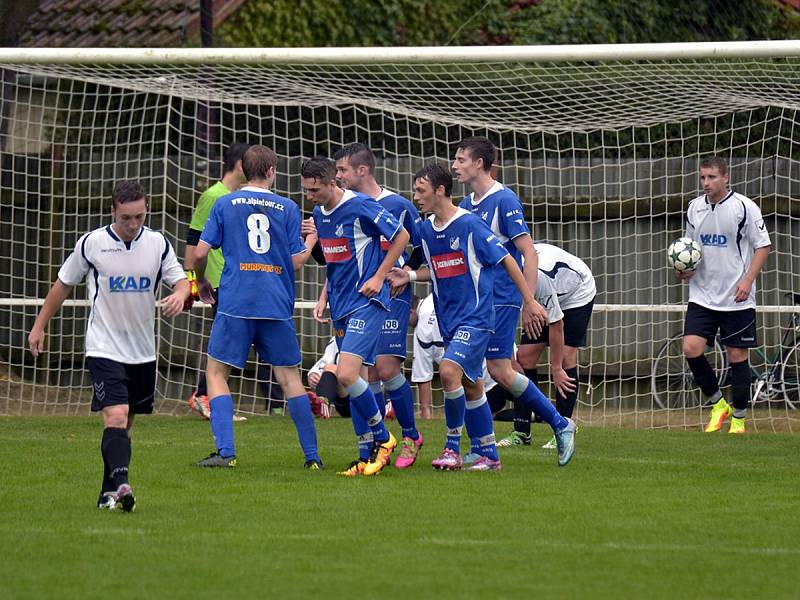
(321, 23)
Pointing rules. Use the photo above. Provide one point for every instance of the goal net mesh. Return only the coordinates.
(604, 156)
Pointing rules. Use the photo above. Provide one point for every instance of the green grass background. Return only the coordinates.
(637, 514)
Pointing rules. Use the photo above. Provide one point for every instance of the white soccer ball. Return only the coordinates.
(684, 254)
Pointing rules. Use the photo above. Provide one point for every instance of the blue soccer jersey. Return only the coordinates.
(408, 216)
(501, 210)
(463, 256)
(261, 234)
(350, 237)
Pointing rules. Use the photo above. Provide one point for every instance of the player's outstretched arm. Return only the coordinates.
(532, 320)
(530, 270)
(52, 303)
(400, 278)
(563, 382)
(374, 284)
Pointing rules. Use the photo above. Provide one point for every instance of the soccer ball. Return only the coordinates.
(684, 254)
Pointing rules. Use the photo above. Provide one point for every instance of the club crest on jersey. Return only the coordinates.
(122, 283)
(340, 229)
(336, 249)
(714, 239)
(451, 264)
(455, 243)
(485, 215)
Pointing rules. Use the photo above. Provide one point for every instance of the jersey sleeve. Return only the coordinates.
(688, 229)
(202, 211)
(172, 271)
(75, 268)
(756, 228)
(488, 248)
(377, 220)
(547, 296)
(511, 219)
(212, 234)
(296, 245)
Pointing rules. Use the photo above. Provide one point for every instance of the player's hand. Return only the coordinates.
(742, 292)
(36, 342)
(319, 311)
(194, 294)
(313, 379)
(398, 280)
(172, 305)
(684, 275)
(563, 382)
(307, 227)
(372, 286)
(206, 291)
(534, 318)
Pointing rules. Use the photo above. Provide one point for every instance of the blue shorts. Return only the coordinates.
(394, 333)
(357, 333)
(505, 332)
(275, 341)
(467, 348)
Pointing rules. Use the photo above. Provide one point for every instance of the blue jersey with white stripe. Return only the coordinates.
(258, 232)
(408, 216)
(350, 237)
(463, 257)
(501, 210)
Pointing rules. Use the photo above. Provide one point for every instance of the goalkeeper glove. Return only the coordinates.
(194, 292)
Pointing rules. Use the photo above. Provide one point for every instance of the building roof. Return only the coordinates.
(119, 23)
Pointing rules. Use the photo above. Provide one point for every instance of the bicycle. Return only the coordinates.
(672, 383)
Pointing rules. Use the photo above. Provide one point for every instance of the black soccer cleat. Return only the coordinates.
(314, 465)
(214, 460)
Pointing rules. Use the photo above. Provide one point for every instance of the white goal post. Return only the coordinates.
(602, 143)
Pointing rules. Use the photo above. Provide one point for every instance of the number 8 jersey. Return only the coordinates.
(258, 232)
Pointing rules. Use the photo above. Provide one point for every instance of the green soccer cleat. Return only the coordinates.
(214, 460)
(721, 411)
(515, 438)
(550, 444)
(314, 465)
(737, 425)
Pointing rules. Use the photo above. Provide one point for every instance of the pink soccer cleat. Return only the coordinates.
(408, 452)
(448, 460)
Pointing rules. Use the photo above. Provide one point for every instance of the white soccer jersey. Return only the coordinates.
(728, 232)
(564, 281)
(121, 283)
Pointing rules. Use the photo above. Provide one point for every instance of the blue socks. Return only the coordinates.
(530, 395)
(300, 409)
(480, 428)
(222, 424)
(363, 401)
(454, 406)
(399, 392)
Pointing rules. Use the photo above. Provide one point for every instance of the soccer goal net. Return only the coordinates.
(602, 143)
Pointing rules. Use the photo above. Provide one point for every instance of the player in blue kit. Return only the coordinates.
(259, 234)
(465, 260)
(355, 167)
(501, 210)
(350, 227)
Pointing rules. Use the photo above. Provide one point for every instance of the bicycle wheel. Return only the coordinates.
(672, 383)
(790, 377)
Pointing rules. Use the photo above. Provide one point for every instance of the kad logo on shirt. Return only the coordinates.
(714, 239)
(122, 283)
(336, 249)
(455, 243)
(451, 264)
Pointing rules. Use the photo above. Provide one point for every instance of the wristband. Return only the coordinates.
(412, 275)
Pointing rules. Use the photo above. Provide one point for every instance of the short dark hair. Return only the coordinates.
(357, 154)
(437, 174)
(257, 162)
(711, 162)
(321, 168)
(232, 155)
(480, 147)
(128, 190)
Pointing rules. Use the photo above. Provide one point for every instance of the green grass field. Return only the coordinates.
(637, 514)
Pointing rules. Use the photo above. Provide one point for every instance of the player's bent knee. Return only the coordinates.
(289, 380)
(116, 416)
(693, 346)
(528, 355)
(450, 374)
